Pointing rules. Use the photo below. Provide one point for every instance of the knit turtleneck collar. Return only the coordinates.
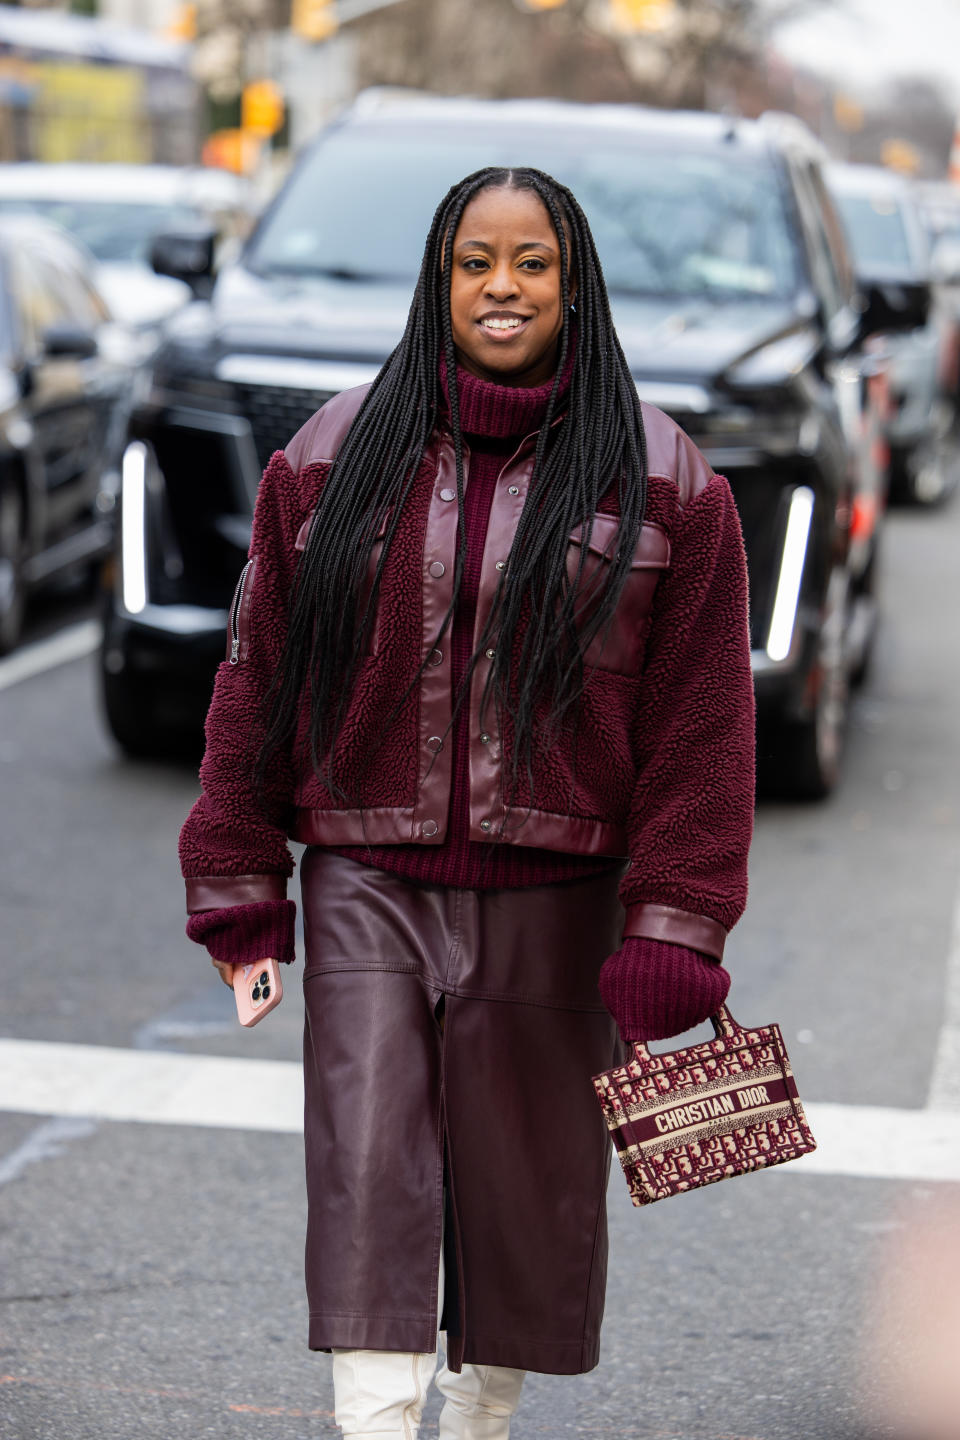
(502, 411)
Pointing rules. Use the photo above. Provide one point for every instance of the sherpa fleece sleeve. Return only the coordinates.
(233, 845)
(691, 814)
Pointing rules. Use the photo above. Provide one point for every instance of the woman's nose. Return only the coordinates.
(501, 282)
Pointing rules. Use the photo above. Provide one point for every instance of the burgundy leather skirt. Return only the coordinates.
(450, 1040)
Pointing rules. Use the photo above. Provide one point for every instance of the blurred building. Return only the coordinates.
(77, 88)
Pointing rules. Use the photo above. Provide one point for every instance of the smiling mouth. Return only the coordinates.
(502, 325)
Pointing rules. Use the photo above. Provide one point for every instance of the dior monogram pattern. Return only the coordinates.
(690, 1117)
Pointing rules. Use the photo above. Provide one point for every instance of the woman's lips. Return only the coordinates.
(503, 327)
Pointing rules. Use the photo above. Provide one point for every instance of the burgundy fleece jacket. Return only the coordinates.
(651, 987)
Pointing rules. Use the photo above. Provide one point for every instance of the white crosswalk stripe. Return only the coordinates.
(71, 644)
(95, 1082)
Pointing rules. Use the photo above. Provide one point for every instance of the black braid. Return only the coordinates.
(537, 675)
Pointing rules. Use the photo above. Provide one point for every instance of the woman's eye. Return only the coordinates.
(532, 264)
(475, 263)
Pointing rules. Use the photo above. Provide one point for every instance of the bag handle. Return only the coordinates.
(724, 1028)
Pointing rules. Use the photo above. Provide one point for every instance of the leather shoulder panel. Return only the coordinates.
(672, 455)
(320, 438)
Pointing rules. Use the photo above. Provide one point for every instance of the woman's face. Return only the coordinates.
(505, 288)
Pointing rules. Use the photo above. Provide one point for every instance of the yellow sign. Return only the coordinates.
(90, 112)
(642, 15)
(313, 20)
(544, 4)
(261, 108)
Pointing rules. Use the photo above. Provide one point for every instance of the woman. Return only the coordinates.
(489, 662)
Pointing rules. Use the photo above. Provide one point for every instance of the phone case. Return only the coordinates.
(257, 989)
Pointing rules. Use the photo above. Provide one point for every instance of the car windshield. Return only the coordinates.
(111, 230)
(678, 222)
(876, 229)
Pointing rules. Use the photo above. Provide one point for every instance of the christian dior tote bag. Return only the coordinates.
(694, 1116)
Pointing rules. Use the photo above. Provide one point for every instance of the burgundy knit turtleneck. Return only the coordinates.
(494, 419)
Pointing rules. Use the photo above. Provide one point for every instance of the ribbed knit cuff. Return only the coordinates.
(244, 934)
(654, 990)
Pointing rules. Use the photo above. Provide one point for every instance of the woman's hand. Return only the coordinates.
(225, 971)
(654, 989)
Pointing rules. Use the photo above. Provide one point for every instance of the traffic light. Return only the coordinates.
(261, 108)
(313, 20)
(642, 15)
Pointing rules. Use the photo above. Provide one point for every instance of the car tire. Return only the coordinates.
(933, 473)
(127, 711)
(13, 590)
(130, 717)
(801, 759)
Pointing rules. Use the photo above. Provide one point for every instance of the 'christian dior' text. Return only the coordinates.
(708, 1109)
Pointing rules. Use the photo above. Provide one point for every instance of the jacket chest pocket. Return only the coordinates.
(371, 642)
(619, 645)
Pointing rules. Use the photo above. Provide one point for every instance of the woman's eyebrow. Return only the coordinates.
(524, 245)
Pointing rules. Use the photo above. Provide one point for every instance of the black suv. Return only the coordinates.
(734, 299)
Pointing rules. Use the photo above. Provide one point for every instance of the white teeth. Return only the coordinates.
(495, 323)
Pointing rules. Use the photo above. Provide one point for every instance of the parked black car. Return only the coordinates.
(892, 259)
(734, 299)
(62, 381)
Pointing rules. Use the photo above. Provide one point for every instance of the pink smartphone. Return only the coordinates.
(257, 989)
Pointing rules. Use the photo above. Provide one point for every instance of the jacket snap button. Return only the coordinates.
(429, 827)
(434, 743)
(484, 739)
(437, 568)
(436, 657)
(513, 489)
(489, 654)
(448, 494)
(485, 825)
(501, 564)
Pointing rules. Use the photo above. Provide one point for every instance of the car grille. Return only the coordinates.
(276, 413)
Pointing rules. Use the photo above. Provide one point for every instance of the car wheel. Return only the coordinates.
(127, 710)
(131, 719)
(802, 759)
(933, 473)
(13, 591)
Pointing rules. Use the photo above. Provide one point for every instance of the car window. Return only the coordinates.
(37, 297)
(877, 229)
(676, 221)
(834, 235)
(830, 288)
(112, 230)
(81, 303)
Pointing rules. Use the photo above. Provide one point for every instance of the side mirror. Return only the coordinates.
(186, 255)
(67, 340)
(890, 306)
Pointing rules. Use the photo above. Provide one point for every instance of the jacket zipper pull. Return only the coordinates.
(234, 650)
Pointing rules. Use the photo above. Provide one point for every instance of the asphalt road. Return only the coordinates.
(150, 1273)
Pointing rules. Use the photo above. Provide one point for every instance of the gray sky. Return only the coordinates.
(869, 40)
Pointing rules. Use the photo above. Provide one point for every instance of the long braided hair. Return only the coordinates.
(538, 616)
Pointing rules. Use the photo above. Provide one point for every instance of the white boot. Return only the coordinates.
(380, 1394)
(479, 1401)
